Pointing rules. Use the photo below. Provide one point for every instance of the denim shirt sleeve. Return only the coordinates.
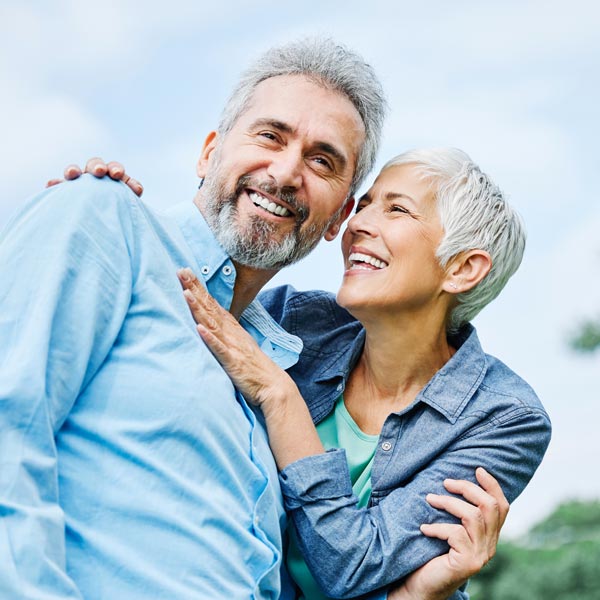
(60, 309)
(352, 551)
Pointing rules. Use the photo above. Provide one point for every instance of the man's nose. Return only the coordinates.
(286, 168)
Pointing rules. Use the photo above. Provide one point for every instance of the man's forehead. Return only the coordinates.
(300, 104)
(293, 95)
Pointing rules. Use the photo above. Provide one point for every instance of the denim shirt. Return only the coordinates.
(474, 412)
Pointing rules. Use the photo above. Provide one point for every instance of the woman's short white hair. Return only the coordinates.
(474, 215)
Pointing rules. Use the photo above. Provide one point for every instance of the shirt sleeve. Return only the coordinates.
(66, 283)
(352, 551)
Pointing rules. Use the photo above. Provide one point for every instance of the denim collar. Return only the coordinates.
(448, 391)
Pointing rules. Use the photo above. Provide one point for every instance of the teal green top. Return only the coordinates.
(338, 430)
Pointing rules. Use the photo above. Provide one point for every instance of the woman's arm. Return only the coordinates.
(472, 542)
(350, 550)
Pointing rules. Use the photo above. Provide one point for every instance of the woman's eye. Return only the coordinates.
(397, 208)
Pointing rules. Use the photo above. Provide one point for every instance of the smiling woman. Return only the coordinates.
(400, 392)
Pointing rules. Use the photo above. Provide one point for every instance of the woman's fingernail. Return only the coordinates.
(183, 275)
(189, 296)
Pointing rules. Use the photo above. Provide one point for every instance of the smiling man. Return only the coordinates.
(130, 466)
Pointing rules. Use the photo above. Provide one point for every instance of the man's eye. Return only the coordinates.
(322, 161)
(269, 135)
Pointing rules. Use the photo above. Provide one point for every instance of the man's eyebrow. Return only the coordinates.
(333, 152)
(274, 124)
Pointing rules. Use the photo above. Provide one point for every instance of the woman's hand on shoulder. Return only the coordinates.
(258, 378)
(97, 167)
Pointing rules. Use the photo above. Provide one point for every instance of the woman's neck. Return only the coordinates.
(400, 356)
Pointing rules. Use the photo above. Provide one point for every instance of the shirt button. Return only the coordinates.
(227, 270)
(205, 270)
(386, 446)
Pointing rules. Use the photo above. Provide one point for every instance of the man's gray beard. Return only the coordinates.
(254, 243)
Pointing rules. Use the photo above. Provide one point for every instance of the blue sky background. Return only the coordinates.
(514, 83)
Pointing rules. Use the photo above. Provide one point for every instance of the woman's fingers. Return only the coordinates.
(219, 329)
(96, 166)
(465, 556)
(489, 500)
(492, 487)
(115, 170)
(53, 182)
(470, 516)
(251, 371)
(205, 309)
(72, 172)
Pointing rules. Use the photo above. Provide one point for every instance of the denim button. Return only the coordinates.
(386, 446)
(227, 270)
(205, 270)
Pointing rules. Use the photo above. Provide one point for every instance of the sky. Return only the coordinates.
(516, 84)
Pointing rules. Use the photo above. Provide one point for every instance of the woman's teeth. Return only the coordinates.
(365, 259)
(261, 201)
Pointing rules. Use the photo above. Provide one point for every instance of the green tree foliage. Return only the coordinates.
(558, 559)
(587, 339)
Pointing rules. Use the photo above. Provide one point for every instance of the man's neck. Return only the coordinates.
(248, 282)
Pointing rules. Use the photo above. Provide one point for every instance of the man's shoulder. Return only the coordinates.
(87, 196)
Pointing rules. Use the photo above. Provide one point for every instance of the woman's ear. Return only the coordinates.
(335, 227)
(210, 143)
(466, 271)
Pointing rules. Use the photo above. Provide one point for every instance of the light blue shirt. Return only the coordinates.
(128, 466)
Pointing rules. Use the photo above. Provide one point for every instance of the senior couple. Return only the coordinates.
(153, 444)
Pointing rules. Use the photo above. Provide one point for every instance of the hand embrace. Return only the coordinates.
(472, 543)
(257, 377)
(98, 168)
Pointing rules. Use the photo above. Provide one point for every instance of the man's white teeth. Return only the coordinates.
(358, 257)
(276, 209)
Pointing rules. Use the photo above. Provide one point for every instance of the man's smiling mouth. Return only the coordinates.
(268, 204)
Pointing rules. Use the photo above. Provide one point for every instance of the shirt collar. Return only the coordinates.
(451, 388)
(281, 346)
(205, 247)
(448, 391)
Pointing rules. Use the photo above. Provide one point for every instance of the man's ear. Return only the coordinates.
(335, 227)
(466, 271)
(210, 143)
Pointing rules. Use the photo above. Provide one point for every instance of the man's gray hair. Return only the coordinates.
(474, 215)
(330, 65)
